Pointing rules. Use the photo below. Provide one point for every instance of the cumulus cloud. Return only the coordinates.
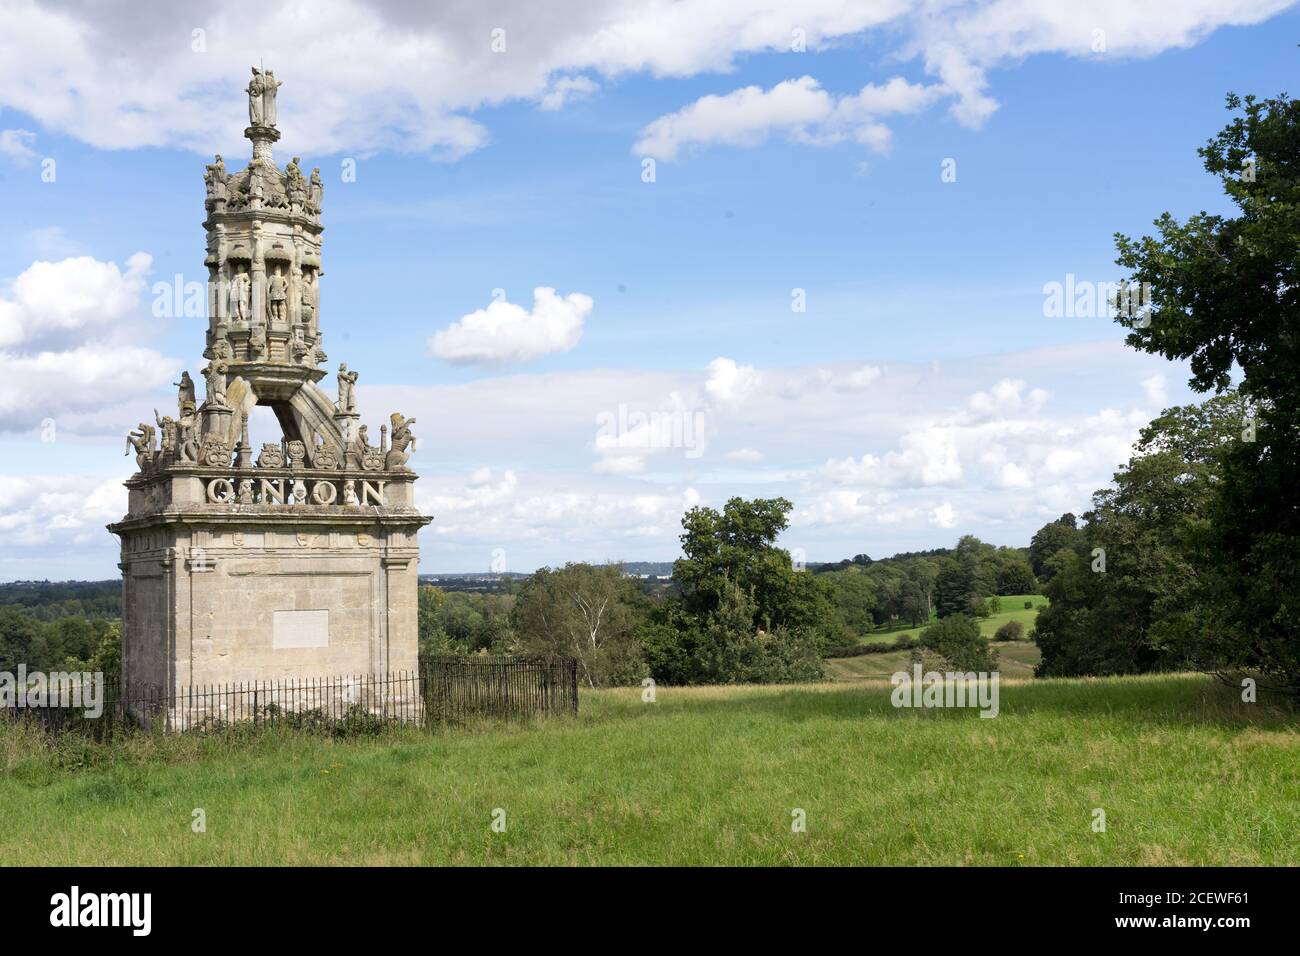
(729, 383)
(66, 342)
(50, 301)
(505, 333)
(943, 516)
(799, 108)
(362, 75)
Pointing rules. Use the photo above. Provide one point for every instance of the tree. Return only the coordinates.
(1122, 598)
(1010, 631)
(956, 638)
(1015, 576)
(853, 595)
(737, 546)
(1225, 294)
(1061, 534)
(951, 589)
(586, 612)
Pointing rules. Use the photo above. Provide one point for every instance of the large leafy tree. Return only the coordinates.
(1059, 535)
(587, 612)
(1225, 294)
(1123, 594)
(737, 546)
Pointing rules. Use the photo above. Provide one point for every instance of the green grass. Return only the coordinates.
(1015, 659)
(1013, 609)
(1185, 773)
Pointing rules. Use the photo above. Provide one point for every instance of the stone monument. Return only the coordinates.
(297, 560)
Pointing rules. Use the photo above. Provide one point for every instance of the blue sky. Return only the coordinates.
(922, 394)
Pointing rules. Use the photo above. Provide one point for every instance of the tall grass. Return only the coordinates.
(1186, 774)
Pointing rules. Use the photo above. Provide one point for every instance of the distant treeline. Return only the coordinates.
(50, 601)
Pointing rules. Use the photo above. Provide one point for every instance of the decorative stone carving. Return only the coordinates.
(317, 189)
(326, 456)
(257, 341)
(347, 402)
(214, 374)
(216, 181)
(277, 295)
(216, 452)
(167, 432)
(272, 456)
(402, 439)
(271, 88)
(263, 345)
(187, 446)
(185, 394)
(256, 93)
(307, 302)
(141, 439)
(241, 297)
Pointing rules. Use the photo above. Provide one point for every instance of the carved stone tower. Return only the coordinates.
(303, 561)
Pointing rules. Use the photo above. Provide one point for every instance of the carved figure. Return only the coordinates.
(214, 374)
(307, 303)
(270, 86)
(402, 439)
(241, 297)
(215, 178)
(277, 294)
(256, 93)
(187, 447)
(141, 439)
(347, 389)
(185, 395)
(349, 492)
(317, 190)
(245, 495)
(299, 492)
(167, 432)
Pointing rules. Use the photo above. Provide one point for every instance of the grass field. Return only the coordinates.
(1185, 773)
(1015, 659)
(1013, 609)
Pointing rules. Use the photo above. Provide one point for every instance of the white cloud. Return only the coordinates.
(744, 117)
(17, 145)
(943, 516)
(67, 343)
(361, 76)
(49, 300)
(729, 383)
(744, 454)
(567, 89)
(1156, 391)
(505, 333)
(799, 108)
